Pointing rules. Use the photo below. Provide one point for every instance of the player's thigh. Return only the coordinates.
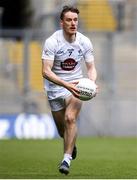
(73, 107)
(57, 109)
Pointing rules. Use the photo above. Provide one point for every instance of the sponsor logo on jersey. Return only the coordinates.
(69, 64)
(60, 52)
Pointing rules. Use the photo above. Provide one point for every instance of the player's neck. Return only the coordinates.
(69, 37)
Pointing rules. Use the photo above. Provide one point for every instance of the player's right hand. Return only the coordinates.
(71, 86)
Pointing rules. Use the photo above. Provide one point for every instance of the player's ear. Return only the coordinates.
(61, 23)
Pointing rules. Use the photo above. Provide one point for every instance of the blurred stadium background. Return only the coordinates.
(112, 27)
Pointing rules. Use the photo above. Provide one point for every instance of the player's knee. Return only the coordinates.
(69, 119)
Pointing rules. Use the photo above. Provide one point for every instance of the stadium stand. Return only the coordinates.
(35, 66)
(97, 15)
(16, 59)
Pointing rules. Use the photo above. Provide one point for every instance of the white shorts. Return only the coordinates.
(57, 99)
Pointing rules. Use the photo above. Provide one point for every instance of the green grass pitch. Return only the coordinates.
(98, 158)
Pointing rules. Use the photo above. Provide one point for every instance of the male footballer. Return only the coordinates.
(62, 55)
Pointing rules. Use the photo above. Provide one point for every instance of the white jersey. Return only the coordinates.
(67, 57)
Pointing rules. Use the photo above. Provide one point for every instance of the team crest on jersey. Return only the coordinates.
(69, 64)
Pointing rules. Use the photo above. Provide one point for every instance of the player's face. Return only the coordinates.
(70, 23)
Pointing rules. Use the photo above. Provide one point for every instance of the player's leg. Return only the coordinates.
(58, 112)
(65, 114)
(58, 117)
(73, 106)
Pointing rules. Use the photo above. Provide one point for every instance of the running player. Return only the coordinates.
(62, 55)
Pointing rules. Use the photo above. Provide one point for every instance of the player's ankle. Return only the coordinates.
(67, 158)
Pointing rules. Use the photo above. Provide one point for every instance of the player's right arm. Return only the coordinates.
(48, 74)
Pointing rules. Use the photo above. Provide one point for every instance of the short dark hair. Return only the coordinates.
(67, 9)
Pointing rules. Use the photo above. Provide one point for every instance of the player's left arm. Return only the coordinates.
(91, 71)
(89, 60)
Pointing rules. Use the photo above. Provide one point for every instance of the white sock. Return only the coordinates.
(67, 158)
